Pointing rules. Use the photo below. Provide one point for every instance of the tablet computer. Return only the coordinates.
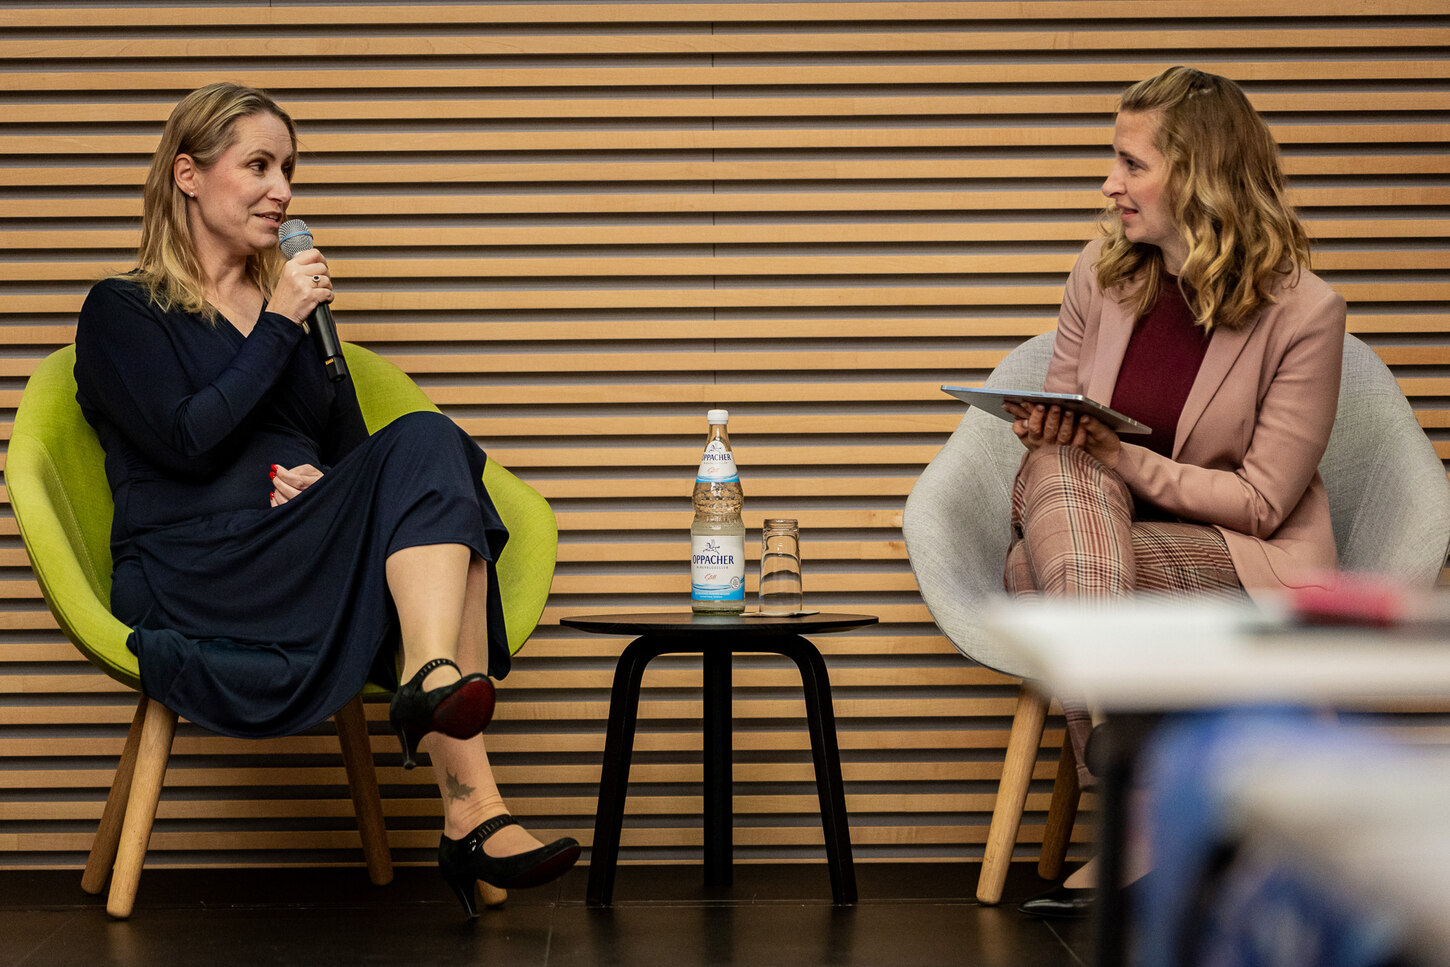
(991, 400)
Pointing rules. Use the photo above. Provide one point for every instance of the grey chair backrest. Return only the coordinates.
(1388, 496)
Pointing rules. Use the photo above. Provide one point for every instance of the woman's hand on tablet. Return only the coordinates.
(1095, 437)
(1037, 425)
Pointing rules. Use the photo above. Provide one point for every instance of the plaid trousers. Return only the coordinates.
(1074, 534)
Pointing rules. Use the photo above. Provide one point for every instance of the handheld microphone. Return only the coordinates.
(294, 237)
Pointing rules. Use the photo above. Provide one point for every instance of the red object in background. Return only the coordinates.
(1353, 599)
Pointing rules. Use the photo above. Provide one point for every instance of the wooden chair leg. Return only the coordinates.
(108, 833)
(1060, 815)
(152, 753)
(362, 782)
(1022, 743)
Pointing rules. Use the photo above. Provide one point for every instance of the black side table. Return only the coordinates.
(717, 638)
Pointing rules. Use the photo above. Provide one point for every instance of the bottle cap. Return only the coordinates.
(718, 416)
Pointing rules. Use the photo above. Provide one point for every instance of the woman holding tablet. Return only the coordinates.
(1198, 316)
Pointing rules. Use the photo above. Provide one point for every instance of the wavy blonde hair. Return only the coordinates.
(203, 126)
(1226, 188)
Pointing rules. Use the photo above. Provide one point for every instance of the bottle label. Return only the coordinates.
(717, 568)
(717, 465)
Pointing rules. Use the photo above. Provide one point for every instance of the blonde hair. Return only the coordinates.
(203, 126)
(1227, 191)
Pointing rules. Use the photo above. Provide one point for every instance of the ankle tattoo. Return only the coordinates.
(455, 789)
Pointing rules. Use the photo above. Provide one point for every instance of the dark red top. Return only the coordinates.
(1159, 368)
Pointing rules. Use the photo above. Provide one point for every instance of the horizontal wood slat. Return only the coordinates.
(697, 13)
(411, 106)
(779, 75)
(580, 225)
(703, 265)
(474, 172)
(685, 296)
(744, 139)
(324, 45)
(494, 236)
(1412, 320)
(702, 202)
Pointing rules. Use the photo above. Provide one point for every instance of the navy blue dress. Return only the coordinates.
(250, 619)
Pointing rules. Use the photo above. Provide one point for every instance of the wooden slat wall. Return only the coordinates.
(581, 225)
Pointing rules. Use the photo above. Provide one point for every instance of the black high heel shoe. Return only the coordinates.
(459, 710)
(1061, 903)
(462, 861)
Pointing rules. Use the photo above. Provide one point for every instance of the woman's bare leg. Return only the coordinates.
(439, 593)
(473, 627)
(429, 586)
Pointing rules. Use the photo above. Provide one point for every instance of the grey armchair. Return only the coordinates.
(1388, 495)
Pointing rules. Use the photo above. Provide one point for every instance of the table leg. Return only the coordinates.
(718, 754)
(718, 751)
(614, 774)
(821, 720)
(1124, 735)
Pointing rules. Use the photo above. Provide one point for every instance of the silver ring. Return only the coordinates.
(317, 278)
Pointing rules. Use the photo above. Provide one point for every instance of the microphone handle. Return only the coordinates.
(324, 338)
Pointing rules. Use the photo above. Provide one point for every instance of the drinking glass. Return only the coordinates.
(780, 567)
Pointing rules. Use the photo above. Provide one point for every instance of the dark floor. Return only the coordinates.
(773, 916)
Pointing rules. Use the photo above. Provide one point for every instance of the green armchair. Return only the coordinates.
(56, 480)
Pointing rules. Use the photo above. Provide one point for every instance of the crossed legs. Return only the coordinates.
(1075, 535)
(439, 591)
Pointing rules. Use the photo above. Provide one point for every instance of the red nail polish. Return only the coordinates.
(272, 475)
(272, 495)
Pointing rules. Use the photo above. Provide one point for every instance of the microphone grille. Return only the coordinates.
(294, 237)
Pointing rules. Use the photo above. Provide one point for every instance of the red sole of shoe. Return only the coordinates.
(551, 869)
(466, 712)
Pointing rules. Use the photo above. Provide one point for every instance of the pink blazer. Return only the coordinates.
(1254, 427)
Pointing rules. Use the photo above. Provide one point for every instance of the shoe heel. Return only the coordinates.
(408, 747)
(464, 892)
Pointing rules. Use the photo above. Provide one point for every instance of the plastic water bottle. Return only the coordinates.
(717, 537)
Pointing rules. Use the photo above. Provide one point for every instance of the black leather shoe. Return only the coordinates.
(1061, 903)
(461, 861)
(460, 709)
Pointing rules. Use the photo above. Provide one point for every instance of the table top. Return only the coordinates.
(736, 625)
(1173, 655)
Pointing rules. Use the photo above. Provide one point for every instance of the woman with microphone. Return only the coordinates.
(269, 554)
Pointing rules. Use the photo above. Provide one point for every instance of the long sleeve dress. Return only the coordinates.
(250, 619)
